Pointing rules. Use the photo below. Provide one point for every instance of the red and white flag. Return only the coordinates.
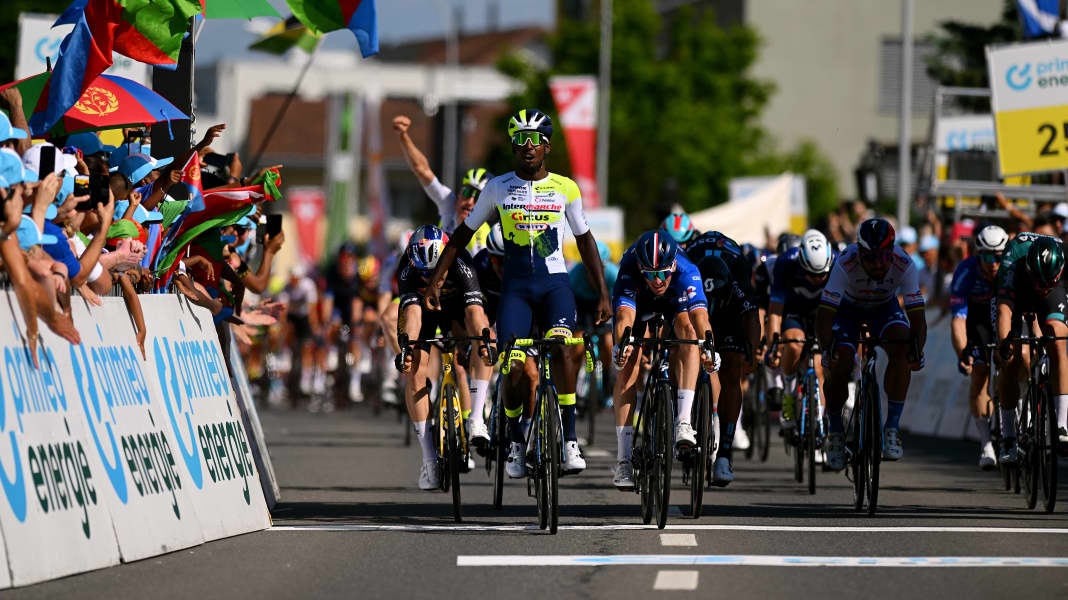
(576, 101)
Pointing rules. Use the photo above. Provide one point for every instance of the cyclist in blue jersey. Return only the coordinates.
(797, 282)
(972, 328)
(534, 206)
(655, 277)
(586, 302)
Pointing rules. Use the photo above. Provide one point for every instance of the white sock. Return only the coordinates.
(425, 443)
(1008, 423)
(983, 425)
(1062, 411)
(624, 441)
(738, 424)
(685, 406)
(479, 391)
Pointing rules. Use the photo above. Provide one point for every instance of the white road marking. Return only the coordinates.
(595, 452)
(678, 539)
(694, 527)
(675, 580)
(598, 560)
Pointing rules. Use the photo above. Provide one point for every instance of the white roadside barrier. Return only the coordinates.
(106, 456)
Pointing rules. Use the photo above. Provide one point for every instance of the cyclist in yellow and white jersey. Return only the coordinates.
(452, 207)
(533, 206)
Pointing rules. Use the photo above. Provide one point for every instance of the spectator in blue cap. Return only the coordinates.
(928, 252)
(138, 167)
(89, 143)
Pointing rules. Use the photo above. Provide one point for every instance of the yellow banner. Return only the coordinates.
(1032, 139)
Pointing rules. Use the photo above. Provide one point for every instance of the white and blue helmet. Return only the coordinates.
(814, 254)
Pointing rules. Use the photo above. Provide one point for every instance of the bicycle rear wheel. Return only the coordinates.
(663, 455)
(812, 402)
(453, 451)
(702, 402)
(500, 449)
(1049, 452)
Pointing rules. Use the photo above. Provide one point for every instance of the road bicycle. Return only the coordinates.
(654, 436)
(596, 382)
(755, 415)
(808, 437)
(446, 414)
(864, 432)
(1036, 436)
(497, 451)
(545, 441)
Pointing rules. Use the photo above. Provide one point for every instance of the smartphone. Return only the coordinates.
(261, 229)
(98, 191)
(81, 185)
(48, 161)
(274, 225)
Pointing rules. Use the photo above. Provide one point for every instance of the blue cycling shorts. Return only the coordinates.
(546, 298)
(850, 316)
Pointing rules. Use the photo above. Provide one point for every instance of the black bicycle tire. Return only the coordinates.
(642, 468)
(537, 470)
(663, 455)
(763, 423)
(593, 403)
(875, 448)
(1049, 454)
(860, 441)
(702, 402)
(812, 403)
(1028, 433)
(749, 402)
(500, 449)
(452, 450)
(798, 443)
(553, 444)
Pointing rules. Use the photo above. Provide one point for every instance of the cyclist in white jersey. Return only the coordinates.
(533, 206)
(863, 288)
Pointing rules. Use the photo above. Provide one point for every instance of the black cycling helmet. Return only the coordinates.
(1045, 262)
(715, 276)
(787, 241)
(656, 250)
(875, 235)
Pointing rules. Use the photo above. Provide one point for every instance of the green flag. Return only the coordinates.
(285, 35)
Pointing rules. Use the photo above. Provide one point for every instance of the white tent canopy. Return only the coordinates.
(746, 220)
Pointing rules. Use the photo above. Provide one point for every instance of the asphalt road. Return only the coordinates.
(353, 524)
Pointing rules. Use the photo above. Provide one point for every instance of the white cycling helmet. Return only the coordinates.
(814, 254)
(495, 240)
(991, 239)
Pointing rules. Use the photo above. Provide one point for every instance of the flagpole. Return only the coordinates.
(282, 112)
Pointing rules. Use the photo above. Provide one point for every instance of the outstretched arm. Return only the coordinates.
(417, 161)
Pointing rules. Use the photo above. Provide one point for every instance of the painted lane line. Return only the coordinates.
(676, 580)
(596, 560)
(609, 527)
(595, 453)
(678, 539)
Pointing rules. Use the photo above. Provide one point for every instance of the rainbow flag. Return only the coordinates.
(358, 16)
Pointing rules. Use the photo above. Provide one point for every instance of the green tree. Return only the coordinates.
(684, 113)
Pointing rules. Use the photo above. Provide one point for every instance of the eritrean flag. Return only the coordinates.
(358, 16)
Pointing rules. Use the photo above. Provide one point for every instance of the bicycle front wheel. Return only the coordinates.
(700, 416)
(593, 404)
(1048, 454)
(1030, 432)
(812, 402)
(873, 419)
(663, 453)
(453, 451)
(551, 457)
(500, 449)
(859, 444)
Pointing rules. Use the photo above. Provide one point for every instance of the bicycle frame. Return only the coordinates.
(448, 378)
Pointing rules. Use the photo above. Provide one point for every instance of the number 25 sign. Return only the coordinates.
(1029, 83)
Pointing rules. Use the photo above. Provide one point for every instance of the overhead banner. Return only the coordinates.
(1029, 83)
(308, 207)
(99, 462)
(576, 102)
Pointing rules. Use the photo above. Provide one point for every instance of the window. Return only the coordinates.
(923, 87)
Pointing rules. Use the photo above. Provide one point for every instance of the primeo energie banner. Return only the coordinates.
(106, 455)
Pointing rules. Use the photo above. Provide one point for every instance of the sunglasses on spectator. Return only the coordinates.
(522, 137)
(988, 257)
(469, 192)
(661, 275)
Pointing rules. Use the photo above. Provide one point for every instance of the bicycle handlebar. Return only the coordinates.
(543, 344)
(406, 345)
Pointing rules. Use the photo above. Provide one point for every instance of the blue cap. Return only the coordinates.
(120, 153)
(906, 236)
(245, 223)
(137, 166)
(929, 242)
(12, 169)
(7, 132)
(141, 214)
(29, 235)
(89, 143)
(49, 214)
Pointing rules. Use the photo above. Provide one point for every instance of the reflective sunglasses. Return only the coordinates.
(522, 137)
(661, 275)
(469, 192)
(988, 257)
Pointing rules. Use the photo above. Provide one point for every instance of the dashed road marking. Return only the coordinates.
(686, 527)
(599, 560)
(595, 452)
(675, 580)
(678, 539)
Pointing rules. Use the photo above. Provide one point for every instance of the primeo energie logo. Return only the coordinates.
(1045, 74)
